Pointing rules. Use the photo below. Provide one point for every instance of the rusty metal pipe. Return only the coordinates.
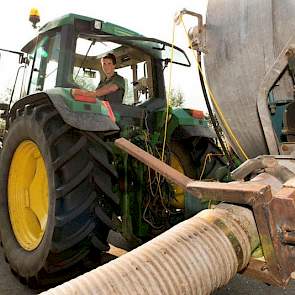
(196, 256)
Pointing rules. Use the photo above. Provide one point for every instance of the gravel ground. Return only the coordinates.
(9, 284)
(240, 285)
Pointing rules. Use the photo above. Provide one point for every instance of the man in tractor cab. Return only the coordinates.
(112, 87)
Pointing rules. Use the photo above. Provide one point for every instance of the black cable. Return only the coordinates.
(212, 117)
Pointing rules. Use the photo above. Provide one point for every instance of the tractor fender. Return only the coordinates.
(184, 132)
(182, 125)
(87, 120)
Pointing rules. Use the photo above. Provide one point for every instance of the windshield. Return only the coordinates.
(134, 65)
(140, 61)
(157, 48)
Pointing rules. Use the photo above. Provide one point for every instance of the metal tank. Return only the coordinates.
(243, 40)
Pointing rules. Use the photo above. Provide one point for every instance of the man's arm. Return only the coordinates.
(104, 90)
(107, 89)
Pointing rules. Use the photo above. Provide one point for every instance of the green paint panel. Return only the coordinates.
(185, 119)
(63, 20)
(84, 107)
(117, 30)
(70, 19)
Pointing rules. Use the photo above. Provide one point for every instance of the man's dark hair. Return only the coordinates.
(112, 57)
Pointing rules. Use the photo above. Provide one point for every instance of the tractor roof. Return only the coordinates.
(99, 28)
(71, 17)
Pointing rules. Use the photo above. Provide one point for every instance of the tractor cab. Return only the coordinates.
(67, 54)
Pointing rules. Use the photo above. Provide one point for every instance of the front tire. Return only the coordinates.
(72, 220)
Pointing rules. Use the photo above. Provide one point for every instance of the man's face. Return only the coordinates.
(107, 66)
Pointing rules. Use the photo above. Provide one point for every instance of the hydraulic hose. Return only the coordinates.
(212, 117)
(196, 256)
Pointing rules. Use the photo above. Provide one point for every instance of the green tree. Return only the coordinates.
(175, 98)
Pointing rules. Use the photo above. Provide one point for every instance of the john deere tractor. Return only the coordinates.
(63, 183)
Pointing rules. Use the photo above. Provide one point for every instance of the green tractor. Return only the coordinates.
(64, 184)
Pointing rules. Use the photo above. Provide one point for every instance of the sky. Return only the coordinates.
(153, 18)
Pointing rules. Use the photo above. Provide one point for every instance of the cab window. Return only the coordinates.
(45, 64)
(132, 64)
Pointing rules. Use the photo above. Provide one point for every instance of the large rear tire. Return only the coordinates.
(56, 196)
(181, 160)
(191, 160)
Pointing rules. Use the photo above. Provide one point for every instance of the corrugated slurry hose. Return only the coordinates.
(196, 256)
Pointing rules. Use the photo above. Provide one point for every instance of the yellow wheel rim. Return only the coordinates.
(28, 195)
(178, 200)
